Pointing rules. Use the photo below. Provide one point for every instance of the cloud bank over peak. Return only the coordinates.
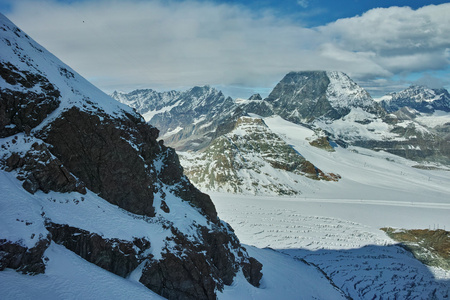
(176, 44)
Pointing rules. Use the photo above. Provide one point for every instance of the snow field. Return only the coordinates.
(342, 239)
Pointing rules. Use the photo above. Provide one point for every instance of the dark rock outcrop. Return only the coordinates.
(102, 154)
(20, 111)
(255, 97)
(302, 96)
(41, 170)
(114, 255)
(193, 260)
(23, 259)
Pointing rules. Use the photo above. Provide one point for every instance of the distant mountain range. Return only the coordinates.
(414, 123)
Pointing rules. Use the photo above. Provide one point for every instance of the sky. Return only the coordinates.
(242, 47)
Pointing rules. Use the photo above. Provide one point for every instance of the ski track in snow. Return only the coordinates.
(343, 240)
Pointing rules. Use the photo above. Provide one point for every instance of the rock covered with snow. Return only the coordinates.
(99, 183)
(420, 98)
(308, 95)
(251, 159)
(186, 119)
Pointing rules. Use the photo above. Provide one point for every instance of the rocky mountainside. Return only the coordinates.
(302, 97)
(187, 120)
(331, 103)
(81, 170)
(251, 159)
(420, 98)
(146, 101)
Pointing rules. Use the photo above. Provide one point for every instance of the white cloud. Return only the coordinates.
(402, 39)
(137, 44)
(303, 3)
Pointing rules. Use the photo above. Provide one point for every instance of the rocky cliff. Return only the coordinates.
(82, 161)
(302, 97)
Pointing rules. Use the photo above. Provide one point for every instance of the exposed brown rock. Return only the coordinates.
(252, 271)
(100, 154)
(23, 259)
(114, 255)
(20, 111)
(41, 170)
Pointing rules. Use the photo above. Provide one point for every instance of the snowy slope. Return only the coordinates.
(344, 93)
(129, 209)
(28, 56)
(365, 172)
(337, 226)
(179, 248)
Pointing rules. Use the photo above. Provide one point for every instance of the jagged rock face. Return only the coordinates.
(255, 97)
(420, 98)
(190, 263)
(302, 96)
(187, 120)
(20, 111)
(103, 154)
(23, 259)
(40, 170)
(114, 255)
(305, 96)
(147, 100)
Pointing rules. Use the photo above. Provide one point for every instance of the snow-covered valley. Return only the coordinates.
(336, 225)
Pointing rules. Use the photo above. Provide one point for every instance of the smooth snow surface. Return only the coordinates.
(366, 174)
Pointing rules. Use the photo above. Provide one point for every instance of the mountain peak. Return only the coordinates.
(307, 95)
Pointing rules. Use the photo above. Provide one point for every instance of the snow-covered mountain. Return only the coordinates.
(420, 98)
(94, 206)
(147, 101)
(187, 120)
(251, 159)
(340, 111)
(302, 97)
(81, 173)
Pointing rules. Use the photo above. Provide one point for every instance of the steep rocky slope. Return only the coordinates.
(67, 149)
(302, 97)
(187, 120)
(251, 159)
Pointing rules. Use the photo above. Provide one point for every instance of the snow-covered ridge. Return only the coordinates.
(421, 98)
(26, 55)
(342, 92)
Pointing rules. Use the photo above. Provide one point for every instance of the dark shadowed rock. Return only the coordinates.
(103, 153)
(255, 97)
(114, 255)
(20, 111)
(302, 96)
(41, 170)
(252, 271)
(23, 259)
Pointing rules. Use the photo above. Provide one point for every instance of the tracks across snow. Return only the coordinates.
(341, 237)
